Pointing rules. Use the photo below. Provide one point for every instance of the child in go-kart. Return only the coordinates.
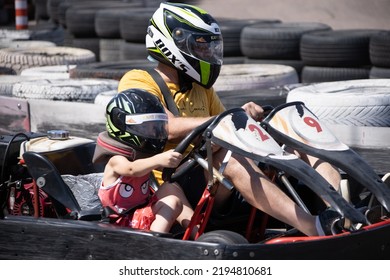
(136, 119)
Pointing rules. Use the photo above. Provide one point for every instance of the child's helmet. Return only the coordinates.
(137, 119)
(187, 38)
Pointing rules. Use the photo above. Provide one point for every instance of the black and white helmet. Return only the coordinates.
(187, 38)
(136, 118)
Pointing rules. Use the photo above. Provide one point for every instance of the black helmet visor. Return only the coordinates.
(206, 47)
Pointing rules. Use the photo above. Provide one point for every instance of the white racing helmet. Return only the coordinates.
(187, 38)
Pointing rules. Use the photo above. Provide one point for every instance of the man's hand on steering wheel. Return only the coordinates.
(253, 110)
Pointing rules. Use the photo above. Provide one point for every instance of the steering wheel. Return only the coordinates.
(169, 174)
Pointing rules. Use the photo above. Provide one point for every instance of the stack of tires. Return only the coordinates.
(316, 51)
(380, 55)
(112, 29)
(336, 55)
(132, 29)
(277, 43)
(78, 20)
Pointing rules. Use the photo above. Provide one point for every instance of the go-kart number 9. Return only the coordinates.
(312, 123)
(242, 270)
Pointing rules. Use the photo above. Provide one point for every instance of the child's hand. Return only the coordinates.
(170, 159)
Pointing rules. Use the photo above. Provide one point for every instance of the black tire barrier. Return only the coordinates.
(337, 48)
(317, 74)
(379, 49)
(276, 41)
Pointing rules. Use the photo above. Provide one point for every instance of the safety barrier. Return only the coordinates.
(21, 14)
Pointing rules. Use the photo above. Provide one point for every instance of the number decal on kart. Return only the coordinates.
(298, 123)
(262, 135)
(312, 123)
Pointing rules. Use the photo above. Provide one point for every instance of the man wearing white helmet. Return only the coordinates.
(187, 43)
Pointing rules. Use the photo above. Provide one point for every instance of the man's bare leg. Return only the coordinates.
(328, 171)
(263, 194)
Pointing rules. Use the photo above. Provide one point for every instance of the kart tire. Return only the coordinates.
(223, 237)
(254, 76)
(354, 103)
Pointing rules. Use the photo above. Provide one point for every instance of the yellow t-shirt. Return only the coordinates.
(197, 102)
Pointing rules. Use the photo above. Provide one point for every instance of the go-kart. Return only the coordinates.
(50, 208)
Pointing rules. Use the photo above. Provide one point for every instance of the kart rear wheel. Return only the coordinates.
(223, 237)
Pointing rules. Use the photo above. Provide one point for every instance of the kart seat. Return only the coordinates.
(48, 178)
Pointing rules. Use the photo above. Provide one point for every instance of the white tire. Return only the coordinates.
(104, 97)
(63, 89)
(7, 82)
(22, 58)
(48, 72)
(353, 102)
(9, 43)
(254, 76)
(15, 34)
